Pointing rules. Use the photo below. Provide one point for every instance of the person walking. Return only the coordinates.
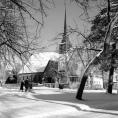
(26, 85)
(56, 83)
(60, 85)
(30, 85)
(22, 85)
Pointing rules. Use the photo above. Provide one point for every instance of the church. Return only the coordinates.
(65, 66)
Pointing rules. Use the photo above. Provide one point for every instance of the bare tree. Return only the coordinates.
(14, 37)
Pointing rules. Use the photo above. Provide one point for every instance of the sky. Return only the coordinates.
(54, 23)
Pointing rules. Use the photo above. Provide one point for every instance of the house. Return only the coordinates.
(35, 77)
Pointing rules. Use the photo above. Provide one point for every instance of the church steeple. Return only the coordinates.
(62, 45)
(65, 28)
(65, 44)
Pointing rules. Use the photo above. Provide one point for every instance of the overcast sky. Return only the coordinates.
(54, 22)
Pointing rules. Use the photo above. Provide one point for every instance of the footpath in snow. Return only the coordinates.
(47, 102)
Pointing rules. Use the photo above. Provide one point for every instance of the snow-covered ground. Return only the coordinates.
(45, 102)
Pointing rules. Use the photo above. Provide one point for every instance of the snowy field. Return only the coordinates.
(45, 102)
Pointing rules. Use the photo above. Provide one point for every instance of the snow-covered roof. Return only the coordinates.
(38, 62)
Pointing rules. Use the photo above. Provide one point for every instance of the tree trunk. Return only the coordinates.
(86, 74)
(111, 72)
(81, 87)
(108, 11)
(110, 81)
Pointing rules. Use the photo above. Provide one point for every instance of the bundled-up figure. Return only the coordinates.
(30, 85)
(60, 85)
(22, 85)
(26, 85)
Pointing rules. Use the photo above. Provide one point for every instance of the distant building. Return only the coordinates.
(35, 77)
(36, 67)
(97, 82)
(51, 71)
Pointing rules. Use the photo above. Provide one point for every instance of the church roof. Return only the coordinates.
(38, 62)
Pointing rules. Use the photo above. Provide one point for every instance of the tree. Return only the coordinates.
(98, 30)
(106, 40)
(14, 37)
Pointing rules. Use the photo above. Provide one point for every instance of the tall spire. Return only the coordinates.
(65, 44)
(65, 28)
(65, 25)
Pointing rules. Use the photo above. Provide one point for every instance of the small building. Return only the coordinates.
(34, 77)
(38, 66)
(11, 78)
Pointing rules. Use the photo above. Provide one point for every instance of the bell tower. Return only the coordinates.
(65, 43)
